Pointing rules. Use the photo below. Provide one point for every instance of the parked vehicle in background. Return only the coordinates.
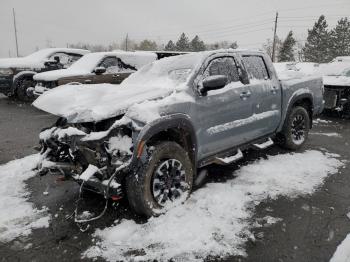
(152, 136)
(95, 68)
(337, 91)
(340, 59)
(288, 70)
(16, 74)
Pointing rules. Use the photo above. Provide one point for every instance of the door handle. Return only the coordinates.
(88, 81)
(245, 95)
(115, 76)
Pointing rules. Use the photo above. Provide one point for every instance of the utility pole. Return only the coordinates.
(274, 39)
(126, 42)
(14, 23)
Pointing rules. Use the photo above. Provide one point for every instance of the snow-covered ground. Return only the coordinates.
(342, 254)
(17, 216)
(216, 220)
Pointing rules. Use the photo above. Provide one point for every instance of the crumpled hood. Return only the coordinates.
(92, 103)
(20, 62)
(336, 81)
(57, 74)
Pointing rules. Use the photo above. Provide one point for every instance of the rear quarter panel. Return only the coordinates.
(296, 89)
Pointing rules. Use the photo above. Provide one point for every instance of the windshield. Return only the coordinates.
(40, 55)
(168, 72)
(88, 62)
(346, 72)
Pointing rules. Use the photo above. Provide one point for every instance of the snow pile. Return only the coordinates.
(120, 143)
(332, 134)
(321, 121)
(342, 254)
(89, 172)
(86, 103)
(215, 220)
(18, 217)
(60, 133)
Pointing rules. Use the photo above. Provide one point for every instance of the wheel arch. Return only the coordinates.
(177, 128)
(305, 100)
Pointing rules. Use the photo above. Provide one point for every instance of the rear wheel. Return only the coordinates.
(165, 180)
(296, 128)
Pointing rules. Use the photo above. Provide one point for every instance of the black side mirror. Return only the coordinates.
(99, 70)
(213, 83)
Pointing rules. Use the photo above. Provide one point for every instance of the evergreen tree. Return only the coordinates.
(197, 44)
(183, 44)
(340, 38)
(234, 45)
(170, 46)
(286, 52)
(317, 47)
(147, 45)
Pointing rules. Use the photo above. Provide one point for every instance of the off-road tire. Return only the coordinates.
(287, 136)
(139, 185)
(21, 89)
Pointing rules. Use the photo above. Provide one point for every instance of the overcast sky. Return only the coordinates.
(249, 22)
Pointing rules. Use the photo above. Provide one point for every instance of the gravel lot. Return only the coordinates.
(310, 230)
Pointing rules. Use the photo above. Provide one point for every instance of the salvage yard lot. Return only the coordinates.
(281, 223)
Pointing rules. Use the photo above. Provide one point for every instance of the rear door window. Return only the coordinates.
(256, 67)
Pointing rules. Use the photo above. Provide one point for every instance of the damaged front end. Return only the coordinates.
(337, 98)
(96, 155)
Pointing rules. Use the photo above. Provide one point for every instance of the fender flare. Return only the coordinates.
(295, 98)
(175, 121)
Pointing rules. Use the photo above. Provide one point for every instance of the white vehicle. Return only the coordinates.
(16, 74)
(337, 90)
(342, 59)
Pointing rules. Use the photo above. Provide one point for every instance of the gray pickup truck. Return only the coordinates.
(151, 138)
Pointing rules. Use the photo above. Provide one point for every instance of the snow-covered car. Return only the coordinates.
(290, 70)
(102, 67)
(153, 135)
(337, 91)
(340, 59)
(16, 74)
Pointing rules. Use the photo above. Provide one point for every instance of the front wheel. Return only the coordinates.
(296, 128)
(163, 181)
(22, 87)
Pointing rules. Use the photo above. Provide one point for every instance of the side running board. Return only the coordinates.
(264, 145)
(230, 159)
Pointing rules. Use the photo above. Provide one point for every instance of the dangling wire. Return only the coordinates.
(106, 196)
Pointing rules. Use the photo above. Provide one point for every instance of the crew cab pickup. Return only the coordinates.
(16, 74)
(150, 138)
